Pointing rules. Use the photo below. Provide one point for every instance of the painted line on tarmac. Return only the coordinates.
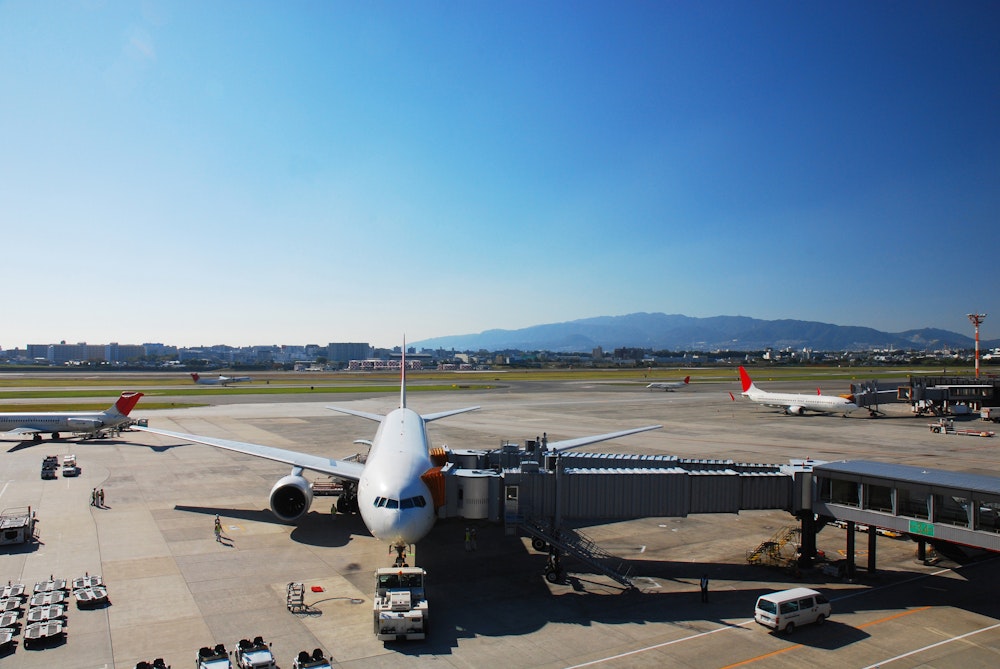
(746, 622)
(933, 645)
(659, 645)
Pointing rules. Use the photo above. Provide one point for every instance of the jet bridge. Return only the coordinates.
(540, 494)
(948, 510)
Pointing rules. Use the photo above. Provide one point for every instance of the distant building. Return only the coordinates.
(346, 352)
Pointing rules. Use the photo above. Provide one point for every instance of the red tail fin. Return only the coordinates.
(194, 376)
(127, 402)
(687, 379)
(745, 379)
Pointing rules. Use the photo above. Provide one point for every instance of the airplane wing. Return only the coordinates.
(339, 468)
(583, 441)
(23, 430)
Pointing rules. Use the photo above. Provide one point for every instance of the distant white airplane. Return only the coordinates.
(220, 381)
(669, 386)
(796, 403)
(392, 490)
(77, 422)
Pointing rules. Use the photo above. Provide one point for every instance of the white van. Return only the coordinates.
(784, 610)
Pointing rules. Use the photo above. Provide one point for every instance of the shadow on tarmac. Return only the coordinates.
(499, 590)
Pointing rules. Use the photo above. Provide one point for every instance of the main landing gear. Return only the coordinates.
(347, 501)
(554, 573)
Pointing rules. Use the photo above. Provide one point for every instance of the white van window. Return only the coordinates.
(806, 603)
(789, 607)
(820, 599)
(767, 606)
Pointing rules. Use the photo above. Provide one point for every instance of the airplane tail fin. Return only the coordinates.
(194, 376)
(125, 403)
(402, 377)
(687, 380)
(746, 381)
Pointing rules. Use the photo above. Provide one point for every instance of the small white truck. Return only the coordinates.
(400, 604)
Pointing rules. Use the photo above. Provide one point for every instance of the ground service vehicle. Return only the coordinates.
(253, 654)
(785, 610)
(213, 658)
(315, 661)
(400, 604)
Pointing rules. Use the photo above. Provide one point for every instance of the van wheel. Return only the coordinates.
(820, 619)
(789, 628)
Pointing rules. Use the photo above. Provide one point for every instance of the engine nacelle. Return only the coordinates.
(84, 424)
(290, 498)
(795, 410)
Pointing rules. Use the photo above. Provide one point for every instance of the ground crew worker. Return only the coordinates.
(468, 539)
(704, 587)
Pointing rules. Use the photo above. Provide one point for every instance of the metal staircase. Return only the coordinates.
(575, 543)
(775, 551)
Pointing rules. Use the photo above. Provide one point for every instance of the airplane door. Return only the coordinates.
(510, 508)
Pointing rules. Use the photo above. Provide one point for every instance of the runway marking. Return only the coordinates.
(6, 483)
(799, 645)
(659, 645)
(762, 657)
(746, 622)
(933, 645)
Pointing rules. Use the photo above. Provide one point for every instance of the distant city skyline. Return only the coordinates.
(268, 172)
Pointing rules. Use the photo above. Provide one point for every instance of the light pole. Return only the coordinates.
(977, 319)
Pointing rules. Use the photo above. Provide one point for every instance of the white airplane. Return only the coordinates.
(796, 403)
(669, 386)
(391, 489)
(77, 422)
(221, 381)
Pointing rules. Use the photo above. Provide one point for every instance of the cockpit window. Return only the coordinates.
(408, 503)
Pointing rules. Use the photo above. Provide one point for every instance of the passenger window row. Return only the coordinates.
(407, 503)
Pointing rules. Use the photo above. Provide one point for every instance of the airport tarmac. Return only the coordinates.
(173, 588)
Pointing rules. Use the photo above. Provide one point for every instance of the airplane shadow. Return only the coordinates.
(23, 444)
(313, 529)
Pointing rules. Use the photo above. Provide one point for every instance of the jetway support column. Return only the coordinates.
(850, 549)
(807, 556)
(922, 550)
(872, 535)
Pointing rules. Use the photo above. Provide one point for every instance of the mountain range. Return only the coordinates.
(674, 332)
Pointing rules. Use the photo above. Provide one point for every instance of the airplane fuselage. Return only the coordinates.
(797, 403)
(70, 421)
(394, 502)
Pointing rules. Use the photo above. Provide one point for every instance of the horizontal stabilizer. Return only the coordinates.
(444, 414)
(583, 441)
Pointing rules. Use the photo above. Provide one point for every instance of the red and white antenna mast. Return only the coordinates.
(977, 320)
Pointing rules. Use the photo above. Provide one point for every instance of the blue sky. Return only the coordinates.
(304, 172)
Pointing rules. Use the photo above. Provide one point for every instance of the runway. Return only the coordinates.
(173, 588)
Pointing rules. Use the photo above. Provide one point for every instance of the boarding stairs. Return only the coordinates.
(778, 551)
(577, 544)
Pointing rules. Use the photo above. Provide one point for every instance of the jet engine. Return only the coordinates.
(291, 497)
(794, 410)
(85, 424)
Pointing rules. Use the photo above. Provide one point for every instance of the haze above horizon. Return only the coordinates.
(251, 173)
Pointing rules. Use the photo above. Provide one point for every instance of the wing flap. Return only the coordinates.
(339, 468)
